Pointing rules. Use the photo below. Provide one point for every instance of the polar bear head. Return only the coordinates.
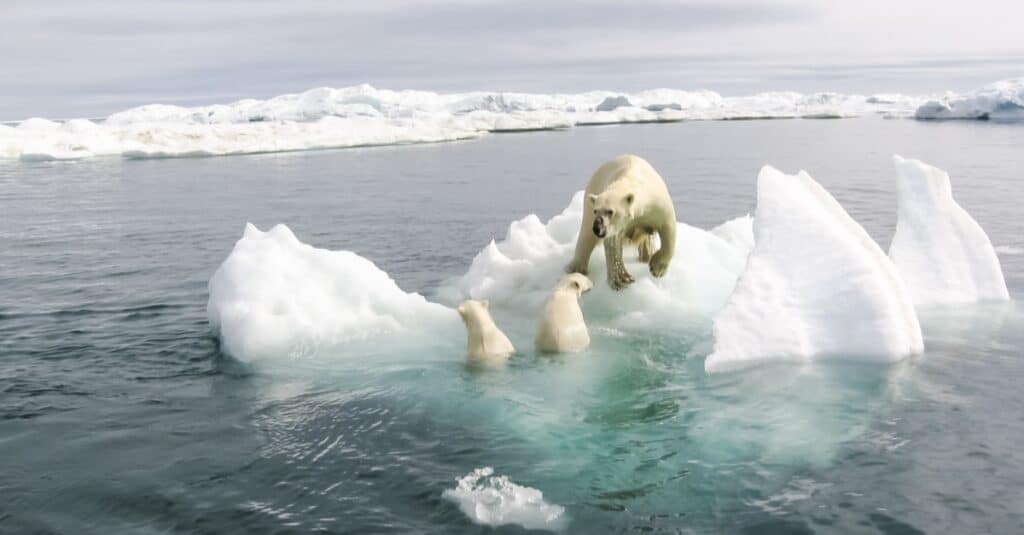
(475, 312)
(611, 210)
(577, 283)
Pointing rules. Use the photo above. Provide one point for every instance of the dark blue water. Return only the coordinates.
(119, 415)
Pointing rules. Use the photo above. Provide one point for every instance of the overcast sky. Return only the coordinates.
(62, 58)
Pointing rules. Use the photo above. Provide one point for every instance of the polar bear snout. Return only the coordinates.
(600, 230)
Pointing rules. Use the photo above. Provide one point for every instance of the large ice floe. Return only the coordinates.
(1001, 101)
(275, 297)
(815, 285)
(495, 500)
(942, 252)
(363, 115)
(798, 281)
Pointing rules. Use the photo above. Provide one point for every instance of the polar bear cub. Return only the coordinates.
(486, 344)
(627, 203)
(562, 328)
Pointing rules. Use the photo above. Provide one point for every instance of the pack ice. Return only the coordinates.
(363, 115)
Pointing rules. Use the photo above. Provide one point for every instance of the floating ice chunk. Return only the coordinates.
(494, 501)
(942, 252)
(815, 285)
(275, 297)
(519, 272)
(1003, 101)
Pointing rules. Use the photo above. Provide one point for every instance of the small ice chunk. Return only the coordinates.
(494, 501)
(815, 285)
(944, 255)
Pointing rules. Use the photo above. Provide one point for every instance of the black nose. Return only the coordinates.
(599, 230)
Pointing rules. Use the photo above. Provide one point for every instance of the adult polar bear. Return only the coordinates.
(626, 203)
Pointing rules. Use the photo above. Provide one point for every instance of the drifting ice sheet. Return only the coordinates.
(276, 297)
(494, 501)
(815, 284)
(942, 252)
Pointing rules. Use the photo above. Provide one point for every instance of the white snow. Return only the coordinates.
(276, 297)
(494, 501)
(944, 255)
(1001, 101)
(815, 285)
(363, 115)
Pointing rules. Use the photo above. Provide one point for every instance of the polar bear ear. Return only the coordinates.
(462, 310)
(629, 199)
(592, 198)
(485, 303)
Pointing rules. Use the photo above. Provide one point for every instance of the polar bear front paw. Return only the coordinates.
(620, 279)
(659, 266)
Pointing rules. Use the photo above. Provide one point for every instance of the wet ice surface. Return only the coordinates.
(119, 415)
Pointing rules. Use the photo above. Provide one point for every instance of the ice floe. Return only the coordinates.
(944, 255)
(797, 281)
(362, 115)
(275, 297)
(495, 500)
(1001, 101)
(815, 285)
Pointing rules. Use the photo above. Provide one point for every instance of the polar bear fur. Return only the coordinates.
(562, 328)
(485, 344)
(626, 203)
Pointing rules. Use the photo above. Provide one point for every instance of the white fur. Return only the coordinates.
(632, 201)
(485, 344)
(562, 328)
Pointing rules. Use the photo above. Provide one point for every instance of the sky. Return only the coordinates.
(78, 58)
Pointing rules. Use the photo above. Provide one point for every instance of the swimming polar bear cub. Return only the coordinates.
(485, 344)
(562, 328)
(626, 203)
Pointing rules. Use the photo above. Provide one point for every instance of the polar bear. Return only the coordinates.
(561, 328)
(626, 203)
(485, 344)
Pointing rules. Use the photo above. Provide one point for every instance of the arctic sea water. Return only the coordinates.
(120, 414)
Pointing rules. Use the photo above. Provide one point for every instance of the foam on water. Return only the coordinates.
(815, 285)
(363, 115)
(495, 500)
(942, 252)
